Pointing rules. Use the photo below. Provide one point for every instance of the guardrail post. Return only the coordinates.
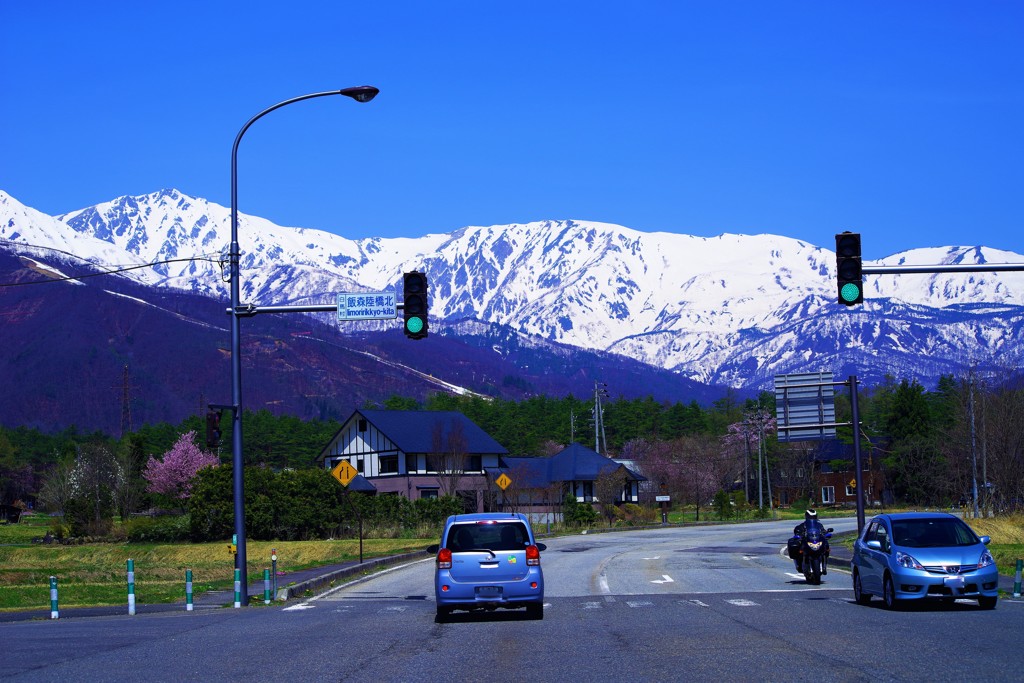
(266, 586)
(131, 586)
(54, 613)
(188, 590)
(238, 589)
(1016, 579)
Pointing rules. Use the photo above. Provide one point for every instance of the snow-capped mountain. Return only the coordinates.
(733, 309)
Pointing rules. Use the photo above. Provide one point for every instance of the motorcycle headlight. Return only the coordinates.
(814, 546)
(986, 559)
(907, 561)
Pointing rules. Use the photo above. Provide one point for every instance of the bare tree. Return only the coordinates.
(448, 458)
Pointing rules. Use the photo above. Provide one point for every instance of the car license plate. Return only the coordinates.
(488, 591)
(954, 582)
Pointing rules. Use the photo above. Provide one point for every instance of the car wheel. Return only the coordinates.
(859, 595)
(987, 603)
(889, 594)
(535, 611)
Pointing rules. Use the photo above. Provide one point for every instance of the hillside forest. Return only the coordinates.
(931, 445)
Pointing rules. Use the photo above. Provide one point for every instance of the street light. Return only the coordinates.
(362, 93)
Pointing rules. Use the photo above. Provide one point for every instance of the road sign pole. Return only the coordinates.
(855, 409)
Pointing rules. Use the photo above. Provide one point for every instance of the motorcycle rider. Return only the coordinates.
(796, 545)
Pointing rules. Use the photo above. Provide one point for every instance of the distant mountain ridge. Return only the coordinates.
(729, 310)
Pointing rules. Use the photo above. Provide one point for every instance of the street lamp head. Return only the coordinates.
(360, 93)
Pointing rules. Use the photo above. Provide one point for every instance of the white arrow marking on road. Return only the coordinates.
(300, 606)
(665, 578)
(795, 576)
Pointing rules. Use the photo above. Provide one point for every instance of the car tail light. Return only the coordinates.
(444, 558)
(532, 556)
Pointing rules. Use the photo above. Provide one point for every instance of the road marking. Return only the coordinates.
(393, 608)
(698, 603)
(665, 578)
(591, 605)
(743, 603)
(639, 603)
(298, 607)
(656, 557)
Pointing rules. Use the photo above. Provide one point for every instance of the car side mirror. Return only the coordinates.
(874, 545)
(432, 549)
(829, 530)
(986, 539)
(541, 547)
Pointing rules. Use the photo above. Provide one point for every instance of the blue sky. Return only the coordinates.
(900, 120)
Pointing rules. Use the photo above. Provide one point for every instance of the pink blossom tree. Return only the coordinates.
(172, 475)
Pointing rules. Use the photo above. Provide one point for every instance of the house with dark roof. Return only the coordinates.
(426, 454)
(537, 486)
(418, 454)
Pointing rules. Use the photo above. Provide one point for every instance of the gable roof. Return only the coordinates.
(412, 431)
(573, 463)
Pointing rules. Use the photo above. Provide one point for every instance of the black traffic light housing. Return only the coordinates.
(414, 306)
(212, 428)
(849, 269)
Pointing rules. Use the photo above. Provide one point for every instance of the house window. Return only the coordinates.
(587, 491)
(828, 495)
(359, 465)
(389, 464)
(851, 490)
(474, 463)
(428, 493)
(411, 463)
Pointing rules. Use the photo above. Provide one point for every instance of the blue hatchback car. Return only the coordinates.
(487, 561)
(920, 555)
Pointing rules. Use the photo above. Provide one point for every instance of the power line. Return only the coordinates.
(109, 272)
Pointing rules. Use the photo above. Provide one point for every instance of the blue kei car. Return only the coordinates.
(487, 561)
(921, 555)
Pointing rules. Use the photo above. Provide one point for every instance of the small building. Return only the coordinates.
(417, 454)
(427, 454)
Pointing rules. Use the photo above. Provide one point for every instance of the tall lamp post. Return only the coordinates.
(363, 93)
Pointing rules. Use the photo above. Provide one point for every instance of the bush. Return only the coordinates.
(162, 529)
(575, 513)
(635, 514)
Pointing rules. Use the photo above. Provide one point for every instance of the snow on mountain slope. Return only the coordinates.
(732, 308)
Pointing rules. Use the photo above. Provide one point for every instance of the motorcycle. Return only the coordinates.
(809, 552)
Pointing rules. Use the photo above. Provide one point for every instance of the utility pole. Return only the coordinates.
(600, 390)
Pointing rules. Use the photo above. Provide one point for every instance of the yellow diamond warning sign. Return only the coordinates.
(503, 481)
(344, 472)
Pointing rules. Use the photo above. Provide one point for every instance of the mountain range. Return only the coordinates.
(671, 315)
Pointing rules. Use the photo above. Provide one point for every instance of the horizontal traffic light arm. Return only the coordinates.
(966, 268)
(253, 309)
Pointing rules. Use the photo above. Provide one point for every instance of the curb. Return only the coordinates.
(323, 582)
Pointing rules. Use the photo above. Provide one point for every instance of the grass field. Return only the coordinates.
(96, 574)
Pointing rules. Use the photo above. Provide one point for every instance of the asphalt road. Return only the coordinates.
(657, 605)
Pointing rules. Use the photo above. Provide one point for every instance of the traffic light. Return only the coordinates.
(848, 268)
(415, 306)
(212, 428)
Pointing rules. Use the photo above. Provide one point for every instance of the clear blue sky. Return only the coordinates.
(901, 120)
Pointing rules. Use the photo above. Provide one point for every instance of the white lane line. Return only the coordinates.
(665, 578)
(743, 603)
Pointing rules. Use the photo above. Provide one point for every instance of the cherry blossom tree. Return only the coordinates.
(172, 475)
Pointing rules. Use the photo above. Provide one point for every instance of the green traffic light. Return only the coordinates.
(414, 325)
(850, 292)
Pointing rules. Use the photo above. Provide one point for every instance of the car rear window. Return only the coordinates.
(932, 533)
(487, 536)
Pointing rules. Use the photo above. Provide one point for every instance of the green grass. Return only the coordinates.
(96, 574)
